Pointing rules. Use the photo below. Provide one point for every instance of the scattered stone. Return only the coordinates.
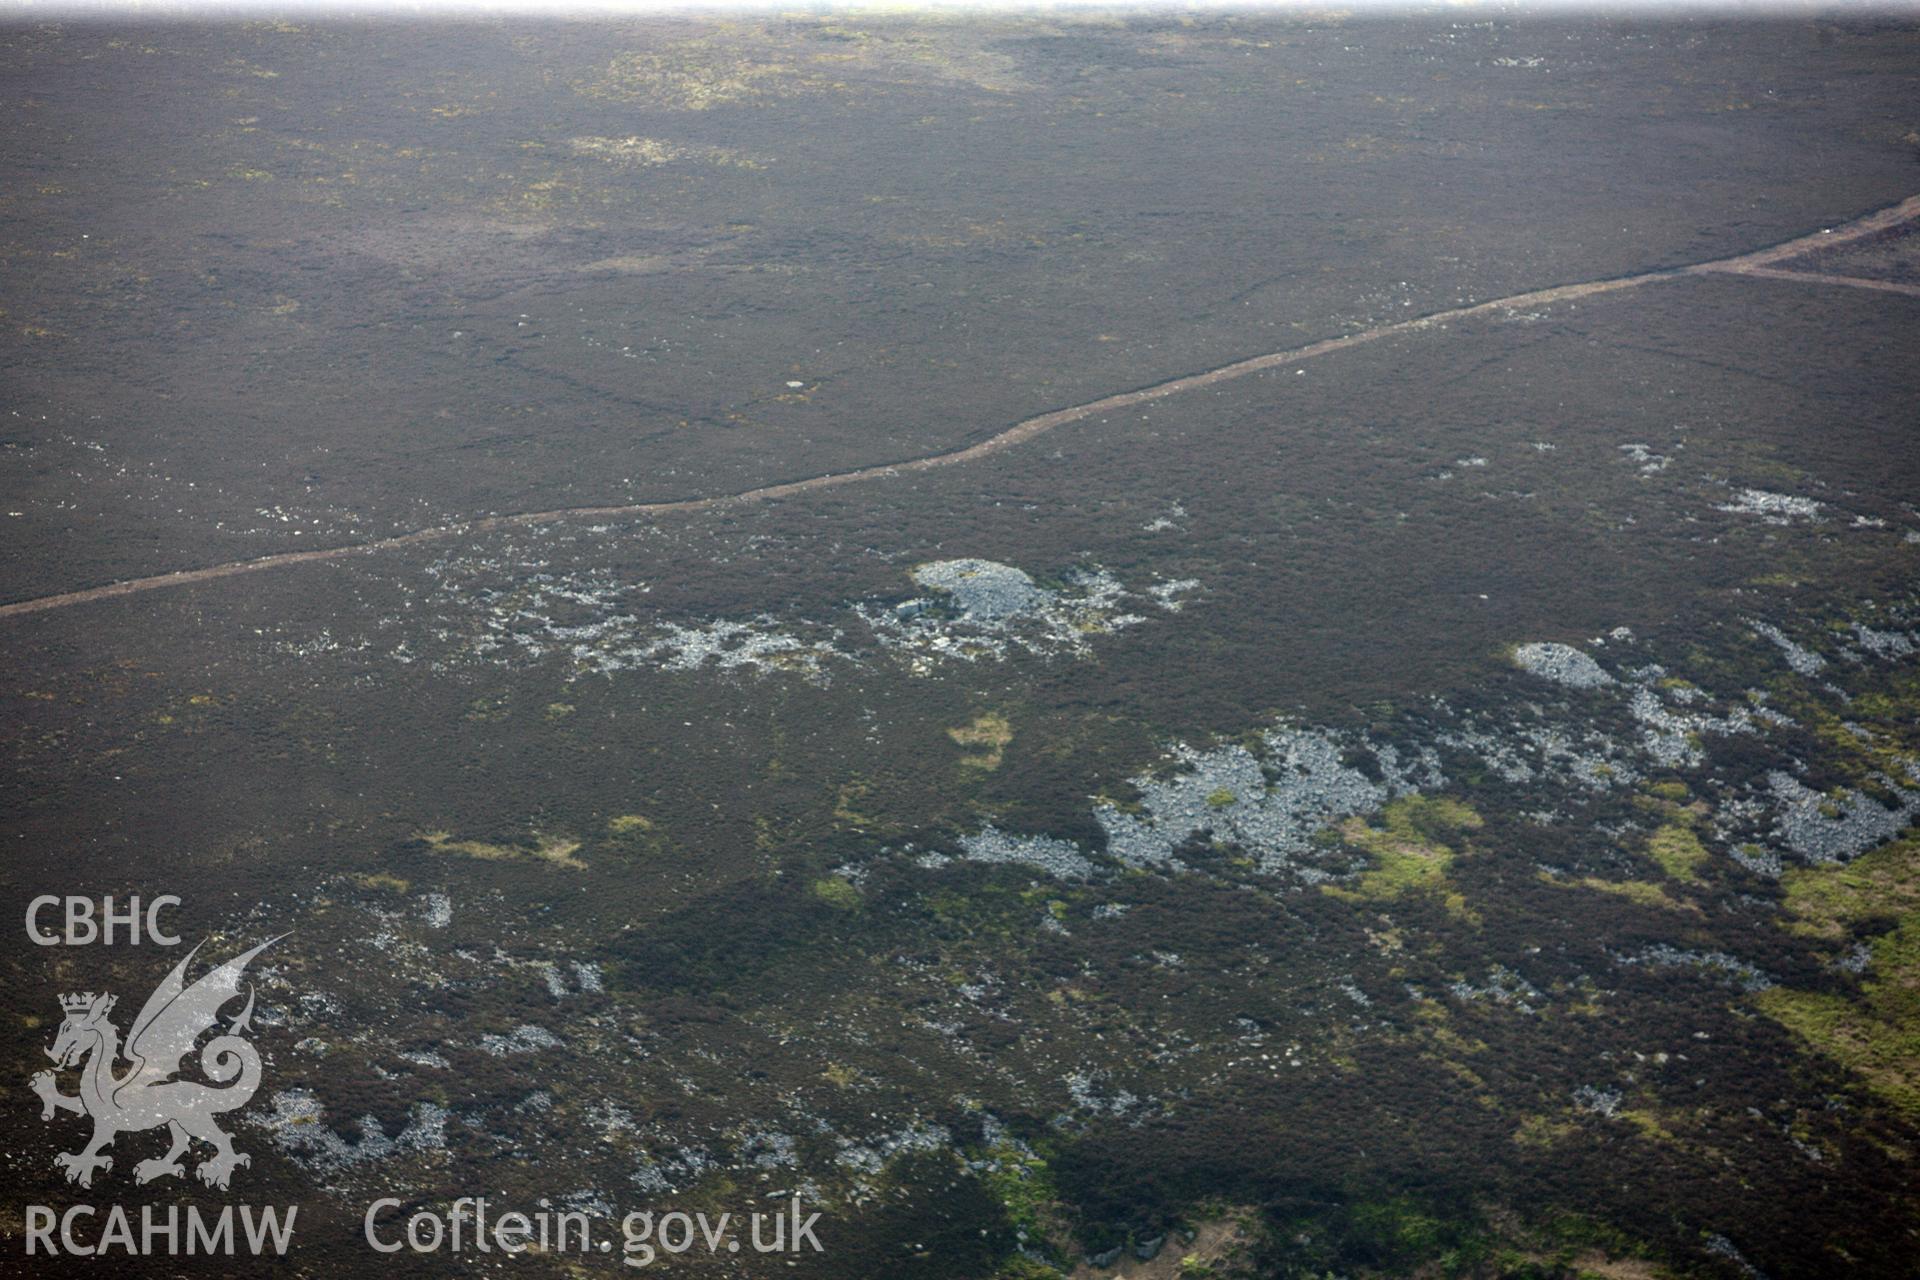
(526, 1038)
(1824, 829)
(1167, 594)
(984, 609)
(1886, 644)
(1502, 986)
(1664, 956)
(667, 1174)
(1089, 1097)
(1649, 461)
(1804, 662)
(1774, 508)
(297, 1126)
(872, 1155)
(1301, 786)
(1562, 664)
(982, 590)
(756, 645)
(1058, 858)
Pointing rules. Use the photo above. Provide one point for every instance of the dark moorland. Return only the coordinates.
(1441, 806)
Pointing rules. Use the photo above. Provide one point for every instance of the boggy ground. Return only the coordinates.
(1190, 820)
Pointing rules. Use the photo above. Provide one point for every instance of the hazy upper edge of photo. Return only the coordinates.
(146, 10)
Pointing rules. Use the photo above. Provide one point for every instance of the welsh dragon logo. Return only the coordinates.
(147, 1095)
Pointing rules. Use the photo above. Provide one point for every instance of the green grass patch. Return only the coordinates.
(1881, 1046)
(1407, 843)
(988, 735)
(1877, 1034)
(1640, 891)
(1678, 852)
(1884, 884)
(837, 892)
(557, 851)
(1023, 1184)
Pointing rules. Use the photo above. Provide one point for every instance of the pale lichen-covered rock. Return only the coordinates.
(1562, 664)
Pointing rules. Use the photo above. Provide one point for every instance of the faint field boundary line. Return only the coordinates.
(1759, 263)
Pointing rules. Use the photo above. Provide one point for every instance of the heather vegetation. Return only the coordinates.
(1441, 808)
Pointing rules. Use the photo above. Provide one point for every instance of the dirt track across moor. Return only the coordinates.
(1760, 264)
